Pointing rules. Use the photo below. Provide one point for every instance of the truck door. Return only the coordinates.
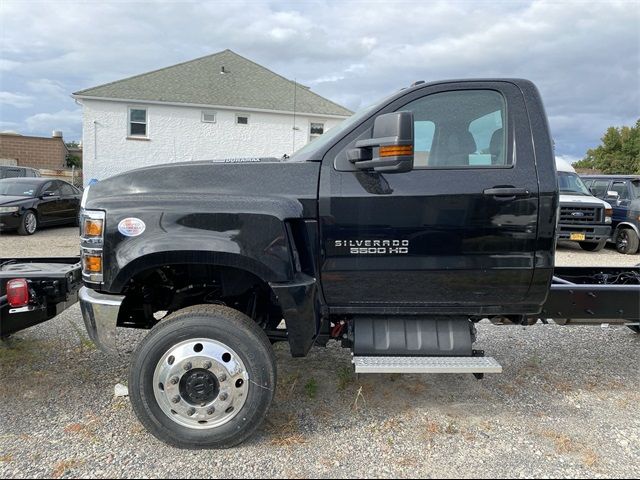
(49, 207)
(621, 206)
(459, 229)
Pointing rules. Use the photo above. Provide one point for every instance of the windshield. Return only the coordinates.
(23, 189)
(335, 132)
(572, 184)
(306, 152)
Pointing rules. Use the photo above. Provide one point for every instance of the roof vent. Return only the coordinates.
(417, 82)
(56, 134)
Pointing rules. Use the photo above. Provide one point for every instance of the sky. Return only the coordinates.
(584, 56)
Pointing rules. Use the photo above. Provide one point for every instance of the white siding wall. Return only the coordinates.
(177, 134)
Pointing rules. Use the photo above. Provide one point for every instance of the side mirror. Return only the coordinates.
(49, 193)
(391, 148)
(612, 196)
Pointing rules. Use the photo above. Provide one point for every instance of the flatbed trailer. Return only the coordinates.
(52, 286)
(594, 295)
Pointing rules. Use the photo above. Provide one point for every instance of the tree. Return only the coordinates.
(73, 144)
(618, 153)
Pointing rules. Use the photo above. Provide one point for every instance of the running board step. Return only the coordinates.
(475, 365)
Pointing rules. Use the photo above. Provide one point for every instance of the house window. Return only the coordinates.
(242, 119)
(208, 117)
(137, 122)
(315, 130)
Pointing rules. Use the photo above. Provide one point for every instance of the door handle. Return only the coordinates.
(506, 192)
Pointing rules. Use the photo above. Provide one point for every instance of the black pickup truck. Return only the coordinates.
(394, 233)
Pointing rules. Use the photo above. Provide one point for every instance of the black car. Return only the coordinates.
(28, 203)
(623, 193)
(17, 172)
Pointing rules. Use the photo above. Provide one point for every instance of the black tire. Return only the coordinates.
(226, 326)
(28, 223)
(592, 247)
(627, 241)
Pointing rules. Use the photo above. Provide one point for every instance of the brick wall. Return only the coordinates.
(34, 152)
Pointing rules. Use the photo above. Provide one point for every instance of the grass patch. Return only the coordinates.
(345, 377)
(85, 343)
(285, 430)
(19, 350)
(311, 388)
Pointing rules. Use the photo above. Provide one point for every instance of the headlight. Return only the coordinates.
(9, 209)
(608, 212)
(92, 226)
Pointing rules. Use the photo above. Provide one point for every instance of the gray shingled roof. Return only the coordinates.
(245, 84)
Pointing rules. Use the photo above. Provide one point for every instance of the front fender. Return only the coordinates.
(253, 242)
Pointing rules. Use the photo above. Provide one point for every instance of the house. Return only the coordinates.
(35, 152)
(219, 106)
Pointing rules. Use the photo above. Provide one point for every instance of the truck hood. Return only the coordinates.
(582, 199)
(246, 179)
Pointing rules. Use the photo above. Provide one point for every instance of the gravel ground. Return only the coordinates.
(565, 406)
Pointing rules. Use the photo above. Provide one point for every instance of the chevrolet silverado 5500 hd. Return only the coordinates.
(393, 233)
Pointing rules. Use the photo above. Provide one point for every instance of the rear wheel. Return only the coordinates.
(203, 378)
(593, 247)
(627, 241)
(28, 223)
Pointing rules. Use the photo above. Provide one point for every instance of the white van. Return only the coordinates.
(583, 217)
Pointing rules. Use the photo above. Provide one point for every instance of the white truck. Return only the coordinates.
(583, 218)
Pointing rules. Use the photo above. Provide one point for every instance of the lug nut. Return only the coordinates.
(191, 411)
(223, 396)
(174, 380)
(207, 365)
(222, 378)
(176, 399)
(211, 411)
(187, 366)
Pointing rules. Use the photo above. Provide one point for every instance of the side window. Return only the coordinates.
(13, 173)
(423, 140)
(621, 188)
(459, 129)
(137, 122)
(67, 189)
(587, 182)
(47, 187)
(599, 188)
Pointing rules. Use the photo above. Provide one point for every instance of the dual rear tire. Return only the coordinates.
(203, 378)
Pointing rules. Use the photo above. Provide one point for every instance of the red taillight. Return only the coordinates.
(18, 292)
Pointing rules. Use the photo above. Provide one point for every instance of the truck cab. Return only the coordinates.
(584, 218)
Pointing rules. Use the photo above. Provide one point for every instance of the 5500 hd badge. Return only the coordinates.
(374, 247)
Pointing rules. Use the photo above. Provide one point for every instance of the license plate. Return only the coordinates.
(577, 236)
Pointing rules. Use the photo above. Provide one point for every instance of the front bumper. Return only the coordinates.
(592, 233)
(10, 221)
(100, 313)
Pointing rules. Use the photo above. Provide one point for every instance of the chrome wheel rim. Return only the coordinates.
(200, 383)
(622, 241)
(31, 222)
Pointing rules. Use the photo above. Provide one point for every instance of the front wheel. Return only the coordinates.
(627, 241)
(593, 247)
(28, 224)
(203, 378)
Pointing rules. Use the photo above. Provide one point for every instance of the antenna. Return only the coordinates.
(295, 89)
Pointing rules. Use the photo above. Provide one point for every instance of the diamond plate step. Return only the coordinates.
(426, 365)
